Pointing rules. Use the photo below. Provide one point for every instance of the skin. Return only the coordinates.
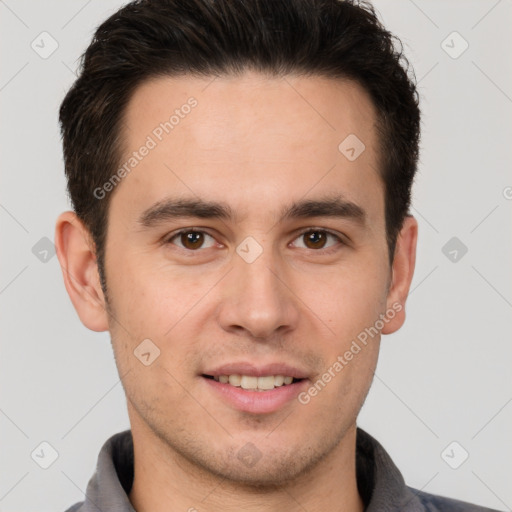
(256, 144)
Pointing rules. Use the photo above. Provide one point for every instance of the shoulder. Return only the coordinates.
(435, 503)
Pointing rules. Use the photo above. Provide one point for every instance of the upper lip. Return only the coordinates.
(251, 369)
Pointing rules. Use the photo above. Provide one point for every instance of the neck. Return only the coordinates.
(164, 480)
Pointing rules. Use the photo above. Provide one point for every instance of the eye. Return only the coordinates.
(317, 239)
(192, 240)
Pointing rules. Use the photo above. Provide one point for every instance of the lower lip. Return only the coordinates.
(258, 402)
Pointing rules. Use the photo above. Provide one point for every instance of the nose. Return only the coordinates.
(257, 300)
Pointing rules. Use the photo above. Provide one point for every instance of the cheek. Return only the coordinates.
(152, 299)
(351, 305)
(349, 299)
(167, 305)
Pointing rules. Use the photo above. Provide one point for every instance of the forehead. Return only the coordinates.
(248, 136)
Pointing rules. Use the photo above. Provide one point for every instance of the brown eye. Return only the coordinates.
(192, 240)
(317, 239)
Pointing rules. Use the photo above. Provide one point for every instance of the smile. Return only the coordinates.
(261, 394)
(253, 383)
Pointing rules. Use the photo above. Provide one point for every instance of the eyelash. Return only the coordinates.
(327, 250)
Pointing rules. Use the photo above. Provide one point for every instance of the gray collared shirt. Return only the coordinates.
(380, 483)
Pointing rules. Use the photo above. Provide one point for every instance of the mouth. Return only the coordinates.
(254, 383)
(255, 389)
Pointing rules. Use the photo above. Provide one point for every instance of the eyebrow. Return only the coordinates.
(173, 208)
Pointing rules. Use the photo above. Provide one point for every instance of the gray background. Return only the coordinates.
(444, 377)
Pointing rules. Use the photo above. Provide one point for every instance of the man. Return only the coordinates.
(240, 173)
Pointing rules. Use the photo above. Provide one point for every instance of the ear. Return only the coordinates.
(77, 258)
(402, 272)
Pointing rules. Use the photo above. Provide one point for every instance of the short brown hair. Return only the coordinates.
(150, 38)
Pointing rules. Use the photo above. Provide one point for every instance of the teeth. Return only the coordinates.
(278, 380)
(252, 383)
(249, 382)
(234, 380)
(266, 382)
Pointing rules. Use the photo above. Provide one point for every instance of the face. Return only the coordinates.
(248, 247)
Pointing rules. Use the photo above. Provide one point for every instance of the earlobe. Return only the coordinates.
(76, 254)
(402, 274)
